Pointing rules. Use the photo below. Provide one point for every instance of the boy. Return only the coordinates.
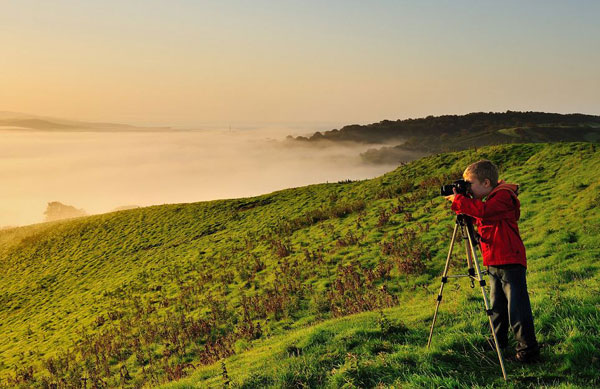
(503, 253)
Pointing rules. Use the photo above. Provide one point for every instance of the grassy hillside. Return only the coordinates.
(445, 142)
(415, 138)
(454, 132)
(324, 285)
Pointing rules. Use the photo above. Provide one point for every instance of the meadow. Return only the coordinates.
(326, 285)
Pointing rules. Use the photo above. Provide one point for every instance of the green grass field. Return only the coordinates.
(328, 285)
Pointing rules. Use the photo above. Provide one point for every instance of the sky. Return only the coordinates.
(192, 63)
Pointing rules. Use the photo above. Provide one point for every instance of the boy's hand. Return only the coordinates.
(451, 197)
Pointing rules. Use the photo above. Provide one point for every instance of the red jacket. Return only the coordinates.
(496, 221)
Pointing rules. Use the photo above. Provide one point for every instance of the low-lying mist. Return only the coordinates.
(100, 172)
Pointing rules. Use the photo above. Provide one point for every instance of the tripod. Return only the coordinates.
(471, 239)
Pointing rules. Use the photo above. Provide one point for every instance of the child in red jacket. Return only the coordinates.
(503, 253)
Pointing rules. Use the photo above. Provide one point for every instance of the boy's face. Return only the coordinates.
(478, 189)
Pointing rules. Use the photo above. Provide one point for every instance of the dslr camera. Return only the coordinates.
(462, 187)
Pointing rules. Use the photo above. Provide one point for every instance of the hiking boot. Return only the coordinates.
(528, 356)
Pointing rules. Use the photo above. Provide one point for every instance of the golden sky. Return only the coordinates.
(192, 62)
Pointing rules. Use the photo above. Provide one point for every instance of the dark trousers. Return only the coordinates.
(511, 307)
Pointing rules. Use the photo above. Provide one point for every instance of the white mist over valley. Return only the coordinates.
(99, 171)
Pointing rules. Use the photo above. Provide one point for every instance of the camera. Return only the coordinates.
(462, 187)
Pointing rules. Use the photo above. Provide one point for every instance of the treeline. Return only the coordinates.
(388, 130)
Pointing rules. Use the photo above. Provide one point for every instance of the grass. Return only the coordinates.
(328, 285)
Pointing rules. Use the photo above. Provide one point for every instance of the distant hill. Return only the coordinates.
(327, 285)
(435, 134)
(25, 122)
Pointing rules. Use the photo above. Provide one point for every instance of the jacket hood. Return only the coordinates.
(502, 185)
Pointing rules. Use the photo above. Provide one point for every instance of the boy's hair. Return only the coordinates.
(483, 169)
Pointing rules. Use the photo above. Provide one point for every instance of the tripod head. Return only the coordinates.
(467, 221)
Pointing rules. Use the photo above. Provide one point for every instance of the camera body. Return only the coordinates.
(462, 187)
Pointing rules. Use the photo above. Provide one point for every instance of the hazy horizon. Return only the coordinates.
(295, 128)
(264, 69)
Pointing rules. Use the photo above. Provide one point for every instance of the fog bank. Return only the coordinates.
(99, 172)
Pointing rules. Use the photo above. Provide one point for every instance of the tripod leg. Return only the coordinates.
(469, 253)
(486, 302)
(444, 279)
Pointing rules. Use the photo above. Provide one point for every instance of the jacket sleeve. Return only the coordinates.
(500, 203)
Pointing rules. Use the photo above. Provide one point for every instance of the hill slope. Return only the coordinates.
(434, 134)
(142, 296)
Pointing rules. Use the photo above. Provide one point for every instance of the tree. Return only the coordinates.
(57, 211)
